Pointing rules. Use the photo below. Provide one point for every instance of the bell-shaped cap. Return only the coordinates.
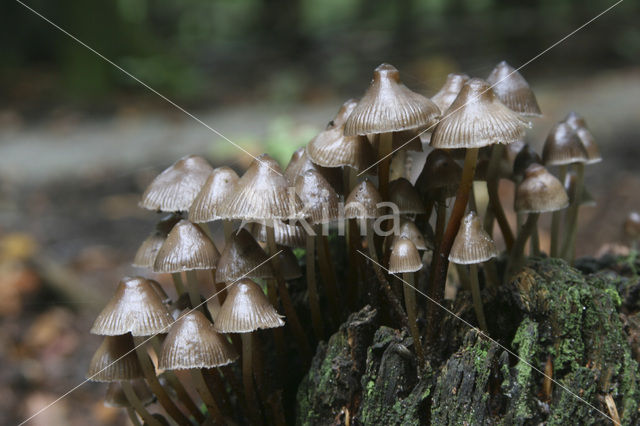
(286, 235)
(289, 264)
(477, 118)
(177, 186)
(563, 146)
(116, 398)
(242, 256)
(318, 197)
(404, 257)
(220, 184)
(540, 192)
(262, 193)
(526, 157)
(193, 342)
(186, 248)
(389, 106)
(343, 113)
(632, 225)
(579, 125)
(570, 182)
(136, 308)
(362, 202)
(331, 148)
(146, 255)
(406, 197)
(115, 360)
(300, 162)
(410, 231)
(449, 91)
(246, 309)
(472, 243)
(513, 90)
(440, 174)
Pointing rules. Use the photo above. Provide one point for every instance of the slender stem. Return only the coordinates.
(287, 304)
(442, 255)
(312, 289)
(207, 397)
(555, 220)
(441, 221)
(535, 242)
(517, 252)
(134, 417)
(352, 238)
(135, 402)
(247, 379)
(149, 372)
(410, 304)
(463, 274)
(477, 298)
(329, 277)
(385, 146)
(278, 332)
(177, 282)
(493, 179)
(194, 288)
(568, 245)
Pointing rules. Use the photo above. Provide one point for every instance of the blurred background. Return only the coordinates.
(79, 140)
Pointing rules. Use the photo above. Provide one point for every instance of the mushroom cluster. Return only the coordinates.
(371, 223)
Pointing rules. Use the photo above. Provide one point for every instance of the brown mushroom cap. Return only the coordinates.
(406, 197)
(526, 157)
(246, 309)
(477, 118)
(404, 257)
(449, 91)
(331, 148)
(513, 90)
(410, 231)
(193, 342)
(540, 192)
(286, 235)
(289, 264)
(300, 162)
(362, 202)
(563, 146)
(220, 183)
(135, 308)
(343, 113)
(579, 125)
(440, 173)
(148, 250)
(241, 257)
(115, 360)
(389, 106)
(177, 186)
(116, 398)
(472, 244)
(186, 248)
(318, 197)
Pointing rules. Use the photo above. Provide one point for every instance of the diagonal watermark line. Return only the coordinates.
(109, 61)
(88, 379)
(483, 334)
(493, 85)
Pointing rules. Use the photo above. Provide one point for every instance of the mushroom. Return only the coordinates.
(285, 235)
(405, 197)
(146, 254)
(300, 162)
(473, 246)
(115, 397)
(362, 203)
(449, 90)
(220, 183)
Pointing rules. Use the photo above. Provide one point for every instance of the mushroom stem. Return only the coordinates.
(410, 304)
(206, 395)
(247, 378)
(135, 402)
(494, 199)
(441, 259)
(149, 372)
(352, 238)
(193, 288)
(329, 277)
(287, 304)
(177, 283)
(463, 275)
(477, 298)
(555, 220)
(517, 252)
(535, 243)
(134, 417)
(312, 289)
(568, 245)
(385, 146)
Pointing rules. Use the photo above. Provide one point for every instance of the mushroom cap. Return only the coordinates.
(472, 243)
(289, 264)
(540, 192)
(563, 146)
(246, 309)
(136, 308)
(362, 202)
(115, 360)
(262, 193)
(404, 257)
(286, 235)
(440, 173)
(406, 197)
(343, 113)
(526, 157)
(513, 90)
(577, 123)
(146, 254)
(241, 257)
(116, 398)
(409, 230)
(193, 342)
(300, 162)
(318, 197)
(331, 148)
(177, 186)
(220, 183)
(389, 106)
(186, 248)
(477, 118)
(449, 90)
